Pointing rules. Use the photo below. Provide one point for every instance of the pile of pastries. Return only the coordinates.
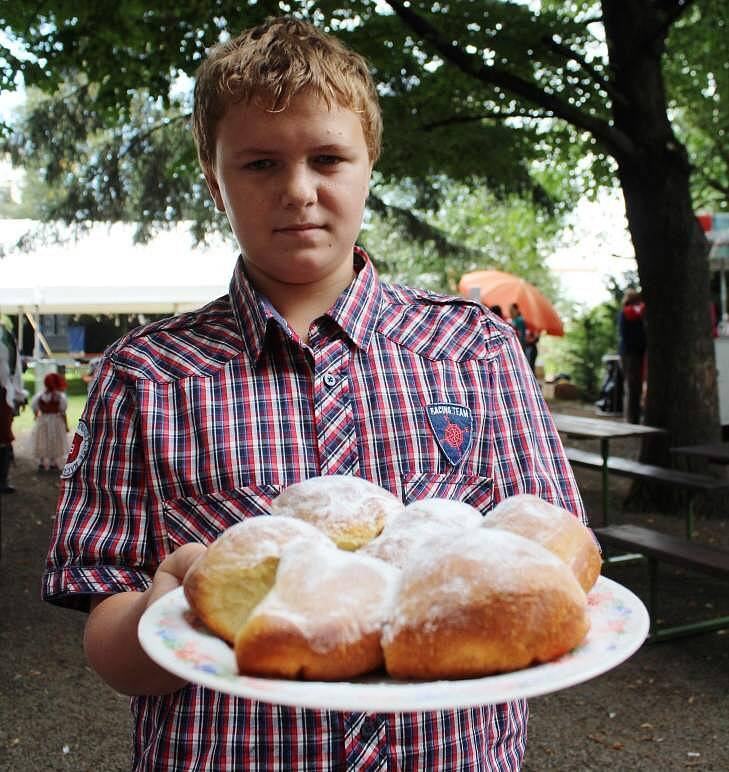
(343, 580)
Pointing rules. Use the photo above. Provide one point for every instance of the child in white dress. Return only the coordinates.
(50, 432)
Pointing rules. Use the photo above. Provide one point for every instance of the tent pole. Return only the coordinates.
(21, 321)
(36, 338)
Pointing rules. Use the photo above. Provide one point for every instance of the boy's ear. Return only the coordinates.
(214, 189)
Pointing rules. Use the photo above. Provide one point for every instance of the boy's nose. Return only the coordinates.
(299, 188)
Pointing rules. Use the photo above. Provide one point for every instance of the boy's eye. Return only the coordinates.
(328, 160)
(259, 164)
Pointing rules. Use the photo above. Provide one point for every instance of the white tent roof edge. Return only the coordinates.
(105, 272)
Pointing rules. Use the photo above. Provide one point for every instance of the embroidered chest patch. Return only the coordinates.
(452, 426)
(79, 450)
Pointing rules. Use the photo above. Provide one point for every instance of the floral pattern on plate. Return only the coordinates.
(173, 638)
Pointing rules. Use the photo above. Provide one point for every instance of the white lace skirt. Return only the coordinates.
(50, 439)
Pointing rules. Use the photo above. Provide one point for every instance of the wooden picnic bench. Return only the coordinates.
(678, 478)
(603, 431)
(659, 547)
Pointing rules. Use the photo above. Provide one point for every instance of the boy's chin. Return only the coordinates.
(305, 267)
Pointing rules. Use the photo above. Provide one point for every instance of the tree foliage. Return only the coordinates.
(546, 100)
(472, 91)
(697, 74)
(508, 234)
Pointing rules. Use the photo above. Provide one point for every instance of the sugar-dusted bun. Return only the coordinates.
(554, 528)
(323, 618)
(350, 510)
(446, 512)
(418, 522)
(480, 602)
(238, 569)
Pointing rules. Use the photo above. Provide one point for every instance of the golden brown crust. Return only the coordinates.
(480, 603)
(554, 528)
(271, 646)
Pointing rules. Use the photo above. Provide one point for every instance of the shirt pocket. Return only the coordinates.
(203, 518)
(470, 489)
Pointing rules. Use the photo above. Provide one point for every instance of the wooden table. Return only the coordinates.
(603, 430)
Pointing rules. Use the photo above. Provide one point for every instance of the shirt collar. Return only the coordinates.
(355, 311)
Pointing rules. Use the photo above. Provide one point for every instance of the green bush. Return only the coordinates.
(590, 336)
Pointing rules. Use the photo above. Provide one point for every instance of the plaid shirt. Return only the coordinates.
(200, 420)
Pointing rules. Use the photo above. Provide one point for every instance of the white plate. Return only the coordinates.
(174, 639)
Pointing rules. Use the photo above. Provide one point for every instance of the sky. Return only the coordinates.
(599, 246)
(9, 101)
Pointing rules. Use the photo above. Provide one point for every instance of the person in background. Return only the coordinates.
(50, 431)
(531, 341)
(517, 322)
(631, 348)
(310, 365)
(12, 398)
(497, 310)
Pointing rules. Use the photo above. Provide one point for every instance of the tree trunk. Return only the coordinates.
(670, 248)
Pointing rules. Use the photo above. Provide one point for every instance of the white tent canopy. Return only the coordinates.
(104, 272)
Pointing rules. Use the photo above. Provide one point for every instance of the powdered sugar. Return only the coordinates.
(449, 573)
(444, 511)
(420, 522)
(254, 539)
(350, 509)
(545, 520)
(331, 596)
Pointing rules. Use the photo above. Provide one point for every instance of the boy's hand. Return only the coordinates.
(172, 570)
(110, 639)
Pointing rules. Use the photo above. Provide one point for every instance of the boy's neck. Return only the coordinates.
(301, 304)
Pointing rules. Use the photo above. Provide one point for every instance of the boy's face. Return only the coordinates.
(293, 185)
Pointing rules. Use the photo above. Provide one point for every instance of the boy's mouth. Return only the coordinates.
(308, 226)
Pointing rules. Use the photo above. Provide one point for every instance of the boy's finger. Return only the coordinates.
(181, 559)
(172, 570)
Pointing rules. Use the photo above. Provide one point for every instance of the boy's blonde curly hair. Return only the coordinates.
(271, 63)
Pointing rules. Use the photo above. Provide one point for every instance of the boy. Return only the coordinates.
(309, 366)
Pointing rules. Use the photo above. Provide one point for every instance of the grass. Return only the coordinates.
(76, 394)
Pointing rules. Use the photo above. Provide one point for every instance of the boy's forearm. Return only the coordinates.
(113, 649)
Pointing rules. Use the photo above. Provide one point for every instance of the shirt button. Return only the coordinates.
(368, 728)
(329, 379)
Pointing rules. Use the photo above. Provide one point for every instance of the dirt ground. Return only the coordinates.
(666, 708)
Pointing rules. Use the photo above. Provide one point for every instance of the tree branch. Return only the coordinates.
(454, 120)
(674, 9)
(712, 182)
(418, 229)
(616, 142)
(142, 135)
(599, 79)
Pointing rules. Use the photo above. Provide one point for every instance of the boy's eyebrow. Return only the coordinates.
(329, 147)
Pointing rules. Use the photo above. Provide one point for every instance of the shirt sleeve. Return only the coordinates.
(528, 452)
(103, 538)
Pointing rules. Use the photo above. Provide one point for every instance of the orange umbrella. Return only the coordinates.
(500, 288)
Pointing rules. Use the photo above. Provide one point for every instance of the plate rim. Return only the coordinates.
(381, 695)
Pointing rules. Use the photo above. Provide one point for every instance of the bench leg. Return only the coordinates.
(652, 594)
(690, 519)
(610, 560)
(674, 631)
(605, 453)
(694, 628)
